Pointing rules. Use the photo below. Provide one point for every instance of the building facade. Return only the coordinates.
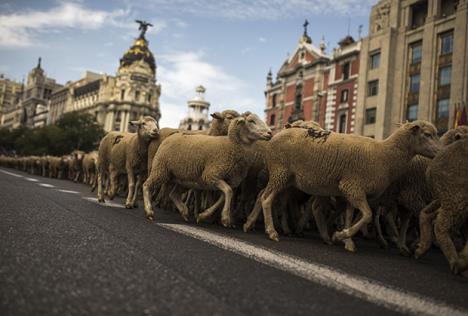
(413, 65)
(300, 86)
(10, 92)
(197, 116)
(312, 85)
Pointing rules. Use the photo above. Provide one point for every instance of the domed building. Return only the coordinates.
(197, 116)
(114, 100)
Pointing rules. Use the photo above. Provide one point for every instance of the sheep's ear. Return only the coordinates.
(217, 115)
(457, 136)
(415, 129)
(288, 125)
(134, 123)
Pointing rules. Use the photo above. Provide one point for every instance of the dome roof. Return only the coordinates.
(139, 51)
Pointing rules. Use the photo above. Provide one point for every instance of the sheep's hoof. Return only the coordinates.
(185, 217)
(128, 205)
(338, 236)
(454, 267)
(273, 236)
(226, 222)
(404, 251)
(149, 217)
(200, 219)
(327, 241)
(246, 228)
(419, 252)
(349, 245)
(101, 200)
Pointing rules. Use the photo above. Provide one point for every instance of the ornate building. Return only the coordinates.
(114, 101)
(10, 92)
(406, 68)
(298, 91)
(197, 116)
(312, 85)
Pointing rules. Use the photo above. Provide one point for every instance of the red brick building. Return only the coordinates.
(310, 84)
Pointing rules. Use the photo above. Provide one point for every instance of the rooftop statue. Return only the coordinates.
(143, 27)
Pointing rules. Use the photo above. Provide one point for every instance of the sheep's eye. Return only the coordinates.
(428, 135)
(252, 121)
(229, 117)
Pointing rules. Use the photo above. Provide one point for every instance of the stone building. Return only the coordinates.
(300, 86)
(114, 100)
(197, 116)
(35, 98)
(10, 91)
(413, 65)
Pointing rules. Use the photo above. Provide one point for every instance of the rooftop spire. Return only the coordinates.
(306, 23)
(305, 37)
(39, 63)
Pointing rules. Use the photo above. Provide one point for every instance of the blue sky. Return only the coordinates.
(228, 46)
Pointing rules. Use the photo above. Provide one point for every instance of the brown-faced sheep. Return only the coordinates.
(207, 163)
(75, 165)
(126, 153)
(351, 166)
(89, 168)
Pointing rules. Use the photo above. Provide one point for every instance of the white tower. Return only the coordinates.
(197, 116)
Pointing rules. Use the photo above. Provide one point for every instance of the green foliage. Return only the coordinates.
(72, 131)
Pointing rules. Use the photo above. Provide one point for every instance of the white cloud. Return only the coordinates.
(262, 40)
(19, 29)
(264, 9)
(180, 72)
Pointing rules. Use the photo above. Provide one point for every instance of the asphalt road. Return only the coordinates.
(61, 253)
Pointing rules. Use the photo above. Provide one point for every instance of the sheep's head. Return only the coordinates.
(221, 121)
(147, 127)
(424, 140)
(454, 134)
(250, 128)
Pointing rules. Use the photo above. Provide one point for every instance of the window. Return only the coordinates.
(189, 128)
(346, 68)
(137, 95)
(344, 95)
(446, 43)
(298, 102)
(272, 119)
(370, 115)
(445, 76)
(373, 88)
(273, 100)
(149, 97)
(412, 112)
(375, 60)
(122, 94)
(442, 108)
(418, 14)
(342, 123)
(416, 50)
(414, 83)
(448, 7)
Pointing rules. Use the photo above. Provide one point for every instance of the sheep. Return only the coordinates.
(351, 166)
(448, 177)
(206, 162)
(75, 165)
(121, 153)
(89, 168)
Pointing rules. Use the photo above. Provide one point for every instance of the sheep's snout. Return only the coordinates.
(154, 133)
(267, 135)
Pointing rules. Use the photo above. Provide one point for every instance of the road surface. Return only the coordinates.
(62, 253)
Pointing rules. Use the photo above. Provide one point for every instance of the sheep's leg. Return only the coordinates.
(209, 211)
(463, 258)
(357, 200)
(402, 235)
(426, 217)
(196, 203)
(153, 181)
(278, 182)
(304, 218)
(348, 242)
(252, 218)
(284, 221)
(99, 185)
(176, 197)
(317, 211)
(383, 242)
(114, 182)
(390, 220)
(135, 191)
(131, 188)
(226, 219)
(442, 230)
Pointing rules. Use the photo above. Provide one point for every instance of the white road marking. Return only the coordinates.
(46, 185)
(12, 174)
(108, 203)
(67, 191)
(357, 286)
(32, 179)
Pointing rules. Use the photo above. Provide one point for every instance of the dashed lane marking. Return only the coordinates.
(67, 191)
(108, 203)
(32, 179)
(12, 174)
(46, 185)
(366, 289)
